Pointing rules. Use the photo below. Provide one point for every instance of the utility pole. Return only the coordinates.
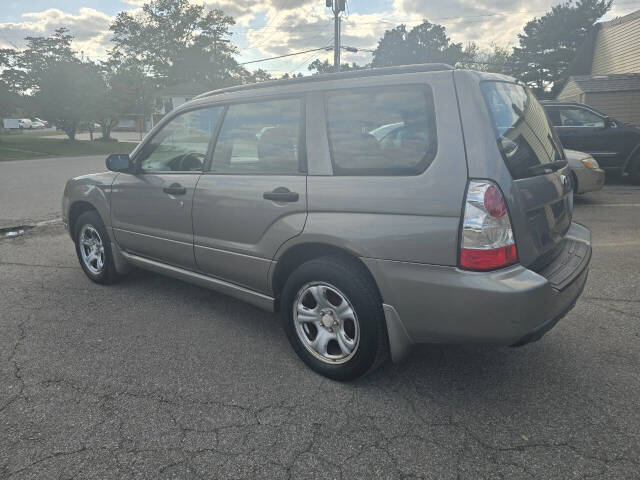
(338, 6)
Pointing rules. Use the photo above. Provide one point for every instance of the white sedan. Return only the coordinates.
(587, 174)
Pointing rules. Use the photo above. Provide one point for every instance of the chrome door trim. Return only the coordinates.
(254, 298)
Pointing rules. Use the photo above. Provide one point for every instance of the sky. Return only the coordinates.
(266, 28)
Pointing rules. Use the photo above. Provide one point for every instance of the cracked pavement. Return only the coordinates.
(155, 378)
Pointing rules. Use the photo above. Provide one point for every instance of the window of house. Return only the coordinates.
(260, 138)
(381, 131)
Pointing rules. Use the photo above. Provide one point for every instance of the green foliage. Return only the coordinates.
(69, 94)
(325, 67)
(549, 43)
(9, 102)
(177, 41)
(425, 43)
(29, 66)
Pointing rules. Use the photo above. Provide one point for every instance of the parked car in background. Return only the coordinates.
(36, 124)
(615, 145)
(43, 122)
(291, 196)
(24, 123)
(586, 173)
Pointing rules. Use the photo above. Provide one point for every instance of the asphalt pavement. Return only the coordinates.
(31, 190)
(155, 378)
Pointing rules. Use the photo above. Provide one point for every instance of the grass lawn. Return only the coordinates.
(20, 147)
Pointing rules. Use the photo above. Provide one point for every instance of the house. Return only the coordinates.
(606, 71)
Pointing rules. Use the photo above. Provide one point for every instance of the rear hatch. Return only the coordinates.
(541, 190)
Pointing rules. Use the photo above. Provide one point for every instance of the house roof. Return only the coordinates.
(185, 89)
(607, 83)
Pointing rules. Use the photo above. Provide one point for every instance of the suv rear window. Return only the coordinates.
(524, 134)
(381, 131)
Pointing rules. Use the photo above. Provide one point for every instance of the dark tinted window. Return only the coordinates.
(524, 134)
(182, 144)
(381, 131)
(260, 138)
(579, 117)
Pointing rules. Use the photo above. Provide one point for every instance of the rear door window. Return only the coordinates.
(381, 131)
(525, 136)
(261, 138)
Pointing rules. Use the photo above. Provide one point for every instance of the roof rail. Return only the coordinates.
(369, 72)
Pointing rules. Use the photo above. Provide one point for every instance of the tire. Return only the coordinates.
(102, 269)
(634, 173)
(351, 300)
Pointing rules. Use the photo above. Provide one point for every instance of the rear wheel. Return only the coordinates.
(93, 248)
(333, 317)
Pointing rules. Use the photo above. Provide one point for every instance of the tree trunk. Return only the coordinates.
(106, 132)
(70, 130)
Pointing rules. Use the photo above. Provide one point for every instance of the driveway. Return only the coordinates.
(155, 378)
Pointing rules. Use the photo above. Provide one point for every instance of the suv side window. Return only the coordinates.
(260, 138)
(381, 130)
(182, 144)
(580, 117)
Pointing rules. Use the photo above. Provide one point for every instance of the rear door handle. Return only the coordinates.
(281, 194)
(175, 189)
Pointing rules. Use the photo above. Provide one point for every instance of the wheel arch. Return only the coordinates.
(297, 254)
(78, 208)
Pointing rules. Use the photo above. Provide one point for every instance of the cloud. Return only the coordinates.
(276, 27)
(90, 28)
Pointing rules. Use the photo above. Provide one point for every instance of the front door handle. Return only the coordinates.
(281, 194)
(175, 189)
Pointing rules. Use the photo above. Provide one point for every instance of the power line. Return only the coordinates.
(311, 57)
(283, 56)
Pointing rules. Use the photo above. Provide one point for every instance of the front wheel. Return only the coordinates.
(333, 317)
(93, 248)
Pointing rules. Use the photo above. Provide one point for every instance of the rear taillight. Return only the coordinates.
(487, 238)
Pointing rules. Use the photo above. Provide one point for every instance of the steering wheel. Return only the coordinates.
(191, 162)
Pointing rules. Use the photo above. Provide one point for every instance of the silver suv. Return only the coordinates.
(374, 210)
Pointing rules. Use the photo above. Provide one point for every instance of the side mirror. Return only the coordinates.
(119, 162)
(609, 122)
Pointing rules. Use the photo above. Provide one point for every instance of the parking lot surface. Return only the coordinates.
(154, 378)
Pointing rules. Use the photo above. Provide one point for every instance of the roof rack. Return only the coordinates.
(370, 72)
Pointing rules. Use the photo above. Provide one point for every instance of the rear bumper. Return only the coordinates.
(589, 180)
(512, 306)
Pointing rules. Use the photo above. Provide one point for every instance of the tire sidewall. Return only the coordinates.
(94, 220)
(365, 301)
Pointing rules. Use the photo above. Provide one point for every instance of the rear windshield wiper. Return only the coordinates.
(551, 166)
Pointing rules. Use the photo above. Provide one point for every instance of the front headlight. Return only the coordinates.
(590, 163)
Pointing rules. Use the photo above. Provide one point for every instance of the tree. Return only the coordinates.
(549, 44)
(176, 41)
(496, 60)
(425, 43)
(126, 90)
(318, 67)
(41, 53)
(70, 94)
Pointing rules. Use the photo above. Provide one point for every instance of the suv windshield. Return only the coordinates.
(524, 134)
